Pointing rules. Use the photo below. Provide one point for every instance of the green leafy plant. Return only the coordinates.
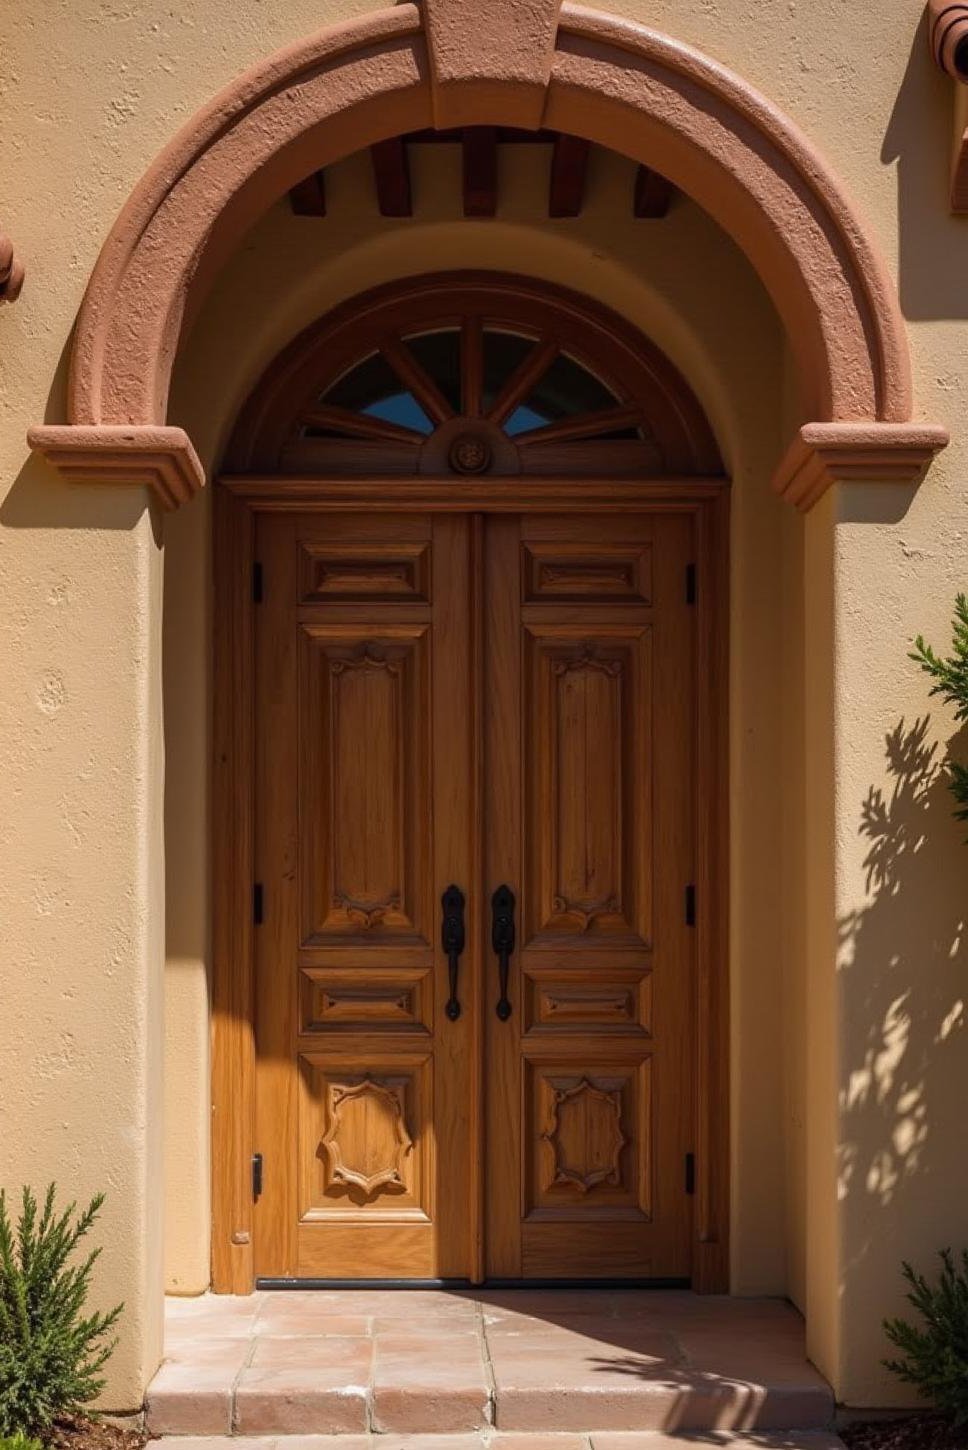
(19, 1442)
(51, 1353)
(950, 676)
(935, 1355)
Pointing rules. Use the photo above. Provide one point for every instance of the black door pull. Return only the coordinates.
(502, 940)
(452, 941)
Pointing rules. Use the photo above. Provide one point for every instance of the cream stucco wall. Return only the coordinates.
(847, 871)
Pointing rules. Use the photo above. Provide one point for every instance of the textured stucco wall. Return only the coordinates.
(858, 950)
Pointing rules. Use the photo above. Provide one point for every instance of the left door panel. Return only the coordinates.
(366, 1092)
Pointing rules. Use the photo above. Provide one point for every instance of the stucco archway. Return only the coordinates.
(611, 81)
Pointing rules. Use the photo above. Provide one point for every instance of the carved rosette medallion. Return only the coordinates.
(363, 914)
(585, 1136)
(366, 659)
(584, 913)
(366, 1141)
(587, 659)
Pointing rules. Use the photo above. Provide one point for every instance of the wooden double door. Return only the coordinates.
(474, 841)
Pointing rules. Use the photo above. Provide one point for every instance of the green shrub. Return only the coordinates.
(51, 1353)
(950, 676)
(936, 1355)
(19, 1442)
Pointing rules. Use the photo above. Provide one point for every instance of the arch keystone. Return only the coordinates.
(487, 59)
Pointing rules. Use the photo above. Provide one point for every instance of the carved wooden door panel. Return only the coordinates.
(364, 814)
(589, 768)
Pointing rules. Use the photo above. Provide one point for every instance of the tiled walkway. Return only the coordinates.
(480, 1364)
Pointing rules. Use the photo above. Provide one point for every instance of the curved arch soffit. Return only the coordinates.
(541, 63)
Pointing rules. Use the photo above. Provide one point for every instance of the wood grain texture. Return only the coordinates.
(233, 1007)
(391, 176)
(293, 1020)
(591, 779)
(364, 790)
(569, 166)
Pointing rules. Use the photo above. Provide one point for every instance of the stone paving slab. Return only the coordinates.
(525, 1369)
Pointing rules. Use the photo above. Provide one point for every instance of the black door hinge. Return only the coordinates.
(690, 583)
(256, 583)
(690, 1172)
(690, 906)
(256, 1175)
(257, 903)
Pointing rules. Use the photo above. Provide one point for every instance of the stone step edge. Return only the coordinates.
(514, 1440)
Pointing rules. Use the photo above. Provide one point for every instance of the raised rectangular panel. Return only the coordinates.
(365, 799)
(365, 1139)
(364, 999)
(369, 572)
(589, 783)
(587, 573)
(589, 1137)
(596, 1001)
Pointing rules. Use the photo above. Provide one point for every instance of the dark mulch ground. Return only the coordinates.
(914, 1432)
(81, 1434)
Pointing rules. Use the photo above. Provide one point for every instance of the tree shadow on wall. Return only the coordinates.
(903, 1169)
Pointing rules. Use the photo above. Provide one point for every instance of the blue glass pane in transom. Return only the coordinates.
(402, 409)
(504, 352)
(373, 387)
(438, 353)
(566, 390)
(522, 420)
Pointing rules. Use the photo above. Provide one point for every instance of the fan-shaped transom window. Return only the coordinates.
(483, 375)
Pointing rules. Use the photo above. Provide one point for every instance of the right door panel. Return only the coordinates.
(589, 752)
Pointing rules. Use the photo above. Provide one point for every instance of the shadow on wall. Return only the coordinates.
(904, 1095)
(931, 262)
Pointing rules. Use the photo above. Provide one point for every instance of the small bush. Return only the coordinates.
(949, 674)
(51, 1354)
(19, 1442)
(936, 1356)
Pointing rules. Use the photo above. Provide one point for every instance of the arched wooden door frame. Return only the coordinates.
(239, 498)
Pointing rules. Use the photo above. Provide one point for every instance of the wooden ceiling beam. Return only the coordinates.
(308, 197)
(569, 168)
(653, 194)
(391, 172)
(480, 171)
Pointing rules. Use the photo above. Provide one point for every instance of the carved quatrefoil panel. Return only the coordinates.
(585, 1136)
(366, 1140)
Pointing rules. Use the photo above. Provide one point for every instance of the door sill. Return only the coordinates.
(465, 1284)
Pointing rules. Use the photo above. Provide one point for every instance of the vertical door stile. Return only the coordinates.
(477, 884)
(502, 835)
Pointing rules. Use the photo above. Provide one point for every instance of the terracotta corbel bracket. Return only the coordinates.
(823, 454)
(948, 38)
(150, 455)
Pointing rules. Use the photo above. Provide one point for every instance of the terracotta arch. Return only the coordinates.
(537, 62)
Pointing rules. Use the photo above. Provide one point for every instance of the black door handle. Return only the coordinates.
(502, 940)
(452, 941)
